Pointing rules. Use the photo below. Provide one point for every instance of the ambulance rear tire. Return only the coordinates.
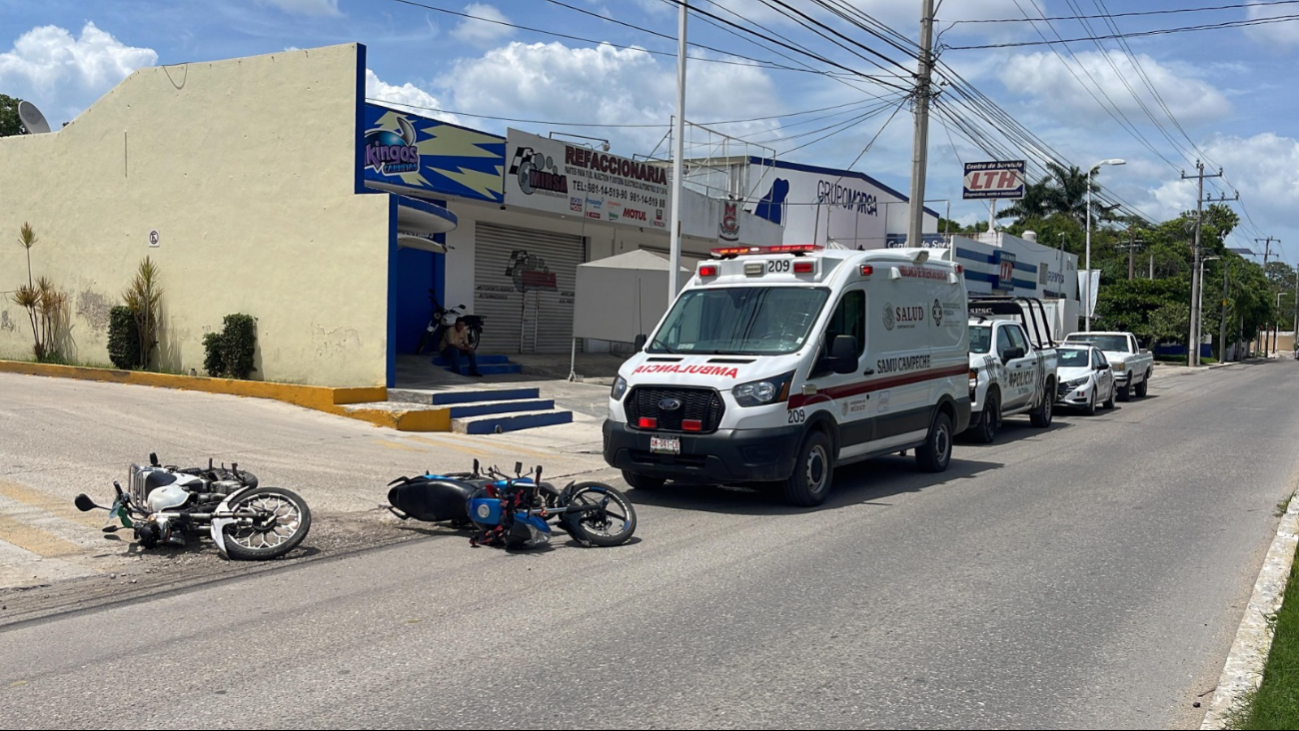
(935, 454)
(638, 481)
(809, 485)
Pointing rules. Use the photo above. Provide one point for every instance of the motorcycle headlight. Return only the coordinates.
(619, 388)
(766, 391)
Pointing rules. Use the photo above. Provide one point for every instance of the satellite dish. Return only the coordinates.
(32, 118)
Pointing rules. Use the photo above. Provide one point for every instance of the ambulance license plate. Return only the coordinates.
(665, 445)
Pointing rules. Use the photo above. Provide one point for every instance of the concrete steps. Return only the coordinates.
(489, 411)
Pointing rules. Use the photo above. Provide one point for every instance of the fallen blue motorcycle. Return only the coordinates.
(515, 513)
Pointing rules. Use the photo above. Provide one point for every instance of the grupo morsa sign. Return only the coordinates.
(570, 180)
(1003, 179)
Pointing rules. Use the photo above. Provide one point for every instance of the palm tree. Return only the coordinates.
(1064, 191)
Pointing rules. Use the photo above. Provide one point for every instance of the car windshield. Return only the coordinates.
(1070, 358)
(980, 338)
(740, 321)
(1112, 343)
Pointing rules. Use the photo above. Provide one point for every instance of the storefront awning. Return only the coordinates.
(418, 221)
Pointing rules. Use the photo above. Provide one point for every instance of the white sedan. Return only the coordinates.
(1086, 379)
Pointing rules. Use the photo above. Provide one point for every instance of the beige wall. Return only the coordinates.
(247, 170)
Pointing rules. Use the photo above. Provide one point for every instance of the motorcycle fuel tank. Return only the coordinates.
(432, 499)
(166, 498)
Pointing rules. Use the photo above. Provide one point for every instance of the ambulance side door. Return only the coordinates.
(843, 393)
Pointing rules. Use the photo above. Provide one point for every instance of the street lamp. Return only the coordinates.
(1087, 300)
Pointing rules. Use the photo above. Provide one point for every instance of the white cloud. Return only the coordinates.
(305, 7)
(608, 86)
(1265, 167)
(63, 74)
(1282, 33)
(1056, 82)
(406, 94)
(483, 32)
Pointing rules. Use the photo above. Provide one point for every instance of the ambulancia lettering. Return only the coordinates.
(703, 370)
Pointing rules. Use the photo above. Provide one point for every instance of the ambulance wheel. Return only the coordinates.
(1041, 416)
(935, 454)
(642, 482)
(813, 470)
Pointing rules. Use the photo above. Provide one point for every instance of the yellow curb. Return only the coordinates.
(319, 398)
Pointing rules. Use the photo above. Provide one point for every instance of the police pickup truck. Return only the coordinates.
(1013, 363)
(1133, 365)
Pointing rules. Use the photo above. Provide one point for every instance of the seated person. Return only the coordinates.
(455, 341)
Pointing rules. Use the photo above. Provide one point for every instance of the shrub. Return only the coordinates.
(231, 352)
(214, 354)
(123, 338)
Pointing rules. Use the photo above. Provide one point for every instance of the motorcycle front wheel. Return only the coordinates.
(611, 525)
(283, 521)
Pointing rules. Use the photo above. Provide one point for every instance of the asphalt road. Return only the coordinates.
(1091, 575)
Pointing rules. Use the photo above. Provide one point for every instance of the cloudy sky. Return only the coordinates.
(1158, 99)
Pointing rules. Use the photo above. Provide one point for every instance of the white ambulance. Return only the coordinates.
(777, 364)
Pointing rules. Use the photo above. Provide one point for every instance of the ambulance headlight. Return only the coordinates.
(619, 388)
(767, 391)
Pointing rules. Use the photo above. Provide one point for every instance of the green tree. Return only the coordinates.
(10, 124)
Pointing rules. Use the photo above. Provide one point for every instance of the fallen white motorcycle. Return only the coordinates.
(167, 505)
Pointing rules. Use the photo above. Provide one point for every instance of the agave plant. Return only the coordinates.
(143, 297)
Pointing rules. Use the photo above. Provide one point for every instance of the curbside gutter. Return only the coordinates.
(1243, 671)
(318, 398)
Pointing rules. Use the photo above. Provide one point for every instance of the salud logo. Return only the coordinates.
(937, 313)
(888, 316)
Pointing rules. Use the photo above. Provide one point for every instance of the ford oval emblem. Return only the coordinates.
(669, 404)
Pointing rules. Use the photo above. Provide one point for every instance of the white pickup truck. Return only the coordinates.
(1133, 365)
(1013, 364)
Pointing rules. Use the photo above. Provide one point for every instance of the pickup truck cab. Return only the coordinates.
(1013, 364)
(1132, 364)
(778, 364)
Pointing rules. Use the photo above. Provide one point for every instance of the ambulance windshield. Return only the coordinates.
(740, 321)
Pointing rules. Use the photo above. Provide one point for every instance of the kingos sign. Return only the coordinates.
(390, 153)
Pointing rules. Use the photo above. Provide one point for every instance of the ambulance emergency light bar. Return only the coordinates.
(731, 251)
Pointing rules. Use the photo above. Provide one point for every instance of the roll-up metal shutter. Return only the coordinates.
(524, 282)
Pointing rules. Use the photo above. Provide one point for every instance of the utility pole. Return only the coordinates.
(1193, 344)
(1132, 246)
(920, 151)
(678, 164)
(1222, 321)
(1267, 249)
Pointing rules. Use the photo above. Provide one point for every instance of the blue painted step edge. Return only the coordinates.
(503, 407)
(470, 397)
(482, 360)
(491, 370)
(515, 423)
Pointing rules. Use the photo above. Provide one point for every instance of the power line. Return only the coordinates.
(745, 60)
(1134, 13)
(1137, 34)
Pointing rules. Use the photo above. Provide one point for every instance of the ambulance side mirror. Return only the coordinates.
(843, 354)
(639, 344)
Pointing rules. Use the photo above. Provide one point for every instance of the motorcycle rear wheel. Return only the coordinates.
(472, 337)
(613, 525)
(292, 522)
